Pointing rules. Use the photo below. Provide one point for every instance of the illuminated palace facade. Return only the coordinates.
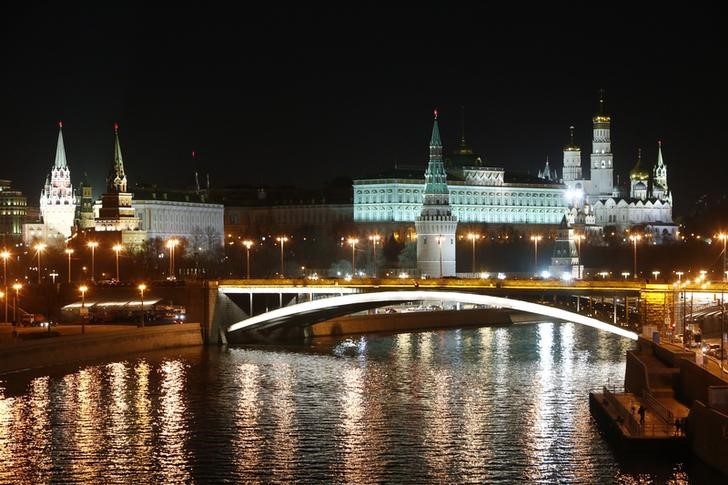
(491, 195)
(477, 195)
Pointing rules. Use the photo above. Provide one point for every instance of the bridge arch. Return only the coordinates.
(311, 312)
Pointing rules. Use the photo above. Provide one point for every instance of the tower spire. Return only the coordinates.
(116, 181)
(660, 162)
(435, 142)
(571, 136)
(61, 161)
(462, 126)
(602, 95)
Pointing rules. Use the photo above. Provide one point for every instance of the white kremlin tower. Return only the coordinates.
(57, 200)
(436, 225)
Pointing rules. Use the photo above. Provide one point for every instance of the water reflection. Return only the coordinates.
(476, 405)
(173, 423)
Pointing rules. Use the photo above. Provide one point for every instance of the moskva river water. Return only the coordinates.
(477, 405)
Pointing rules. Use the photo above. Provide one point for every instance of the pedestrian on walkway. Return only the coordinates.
(641, 411)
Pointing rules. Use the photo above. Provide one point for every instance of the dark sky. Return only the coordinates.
(299, 96)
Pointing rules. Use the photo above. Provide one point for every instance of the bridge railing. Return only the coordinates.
(625, 416)
(659, 408)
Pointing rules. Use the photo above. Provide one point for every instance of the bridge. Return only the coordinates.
(267, 304)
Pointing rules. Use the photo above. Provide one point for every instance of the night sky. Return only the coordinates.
(302, 96)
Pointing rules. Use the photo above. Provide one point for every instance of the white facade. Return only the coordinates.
(57, 199)
(167, 219)
(399, 200)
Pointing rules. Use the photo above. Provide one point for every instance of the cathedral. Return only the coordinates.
(596, 203)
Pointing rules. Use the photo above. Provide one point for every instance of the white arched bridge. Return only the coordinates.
(314, 311)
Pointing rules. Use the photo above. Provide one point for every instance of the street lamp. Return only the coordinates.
(473, 237)
(171, 244)
(83, 289)
(40, 247)
(93, 245)
(69, 252)
(248, 244)
(579, 238)
(634, 238)
(281, 240)
(679, 275)
(724, 238)
(375, 239)
(535, 240)
(142, 287)
(5, 255)
(625, 274)
(16, 287)
(117, 248)
(353, 241)
(655, 274)
(439, 247)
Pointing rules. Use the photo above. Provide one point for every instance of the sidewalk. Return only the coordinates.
(7, 339)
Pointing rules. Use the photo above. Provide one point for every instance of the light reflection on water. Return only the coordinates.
(468, 405)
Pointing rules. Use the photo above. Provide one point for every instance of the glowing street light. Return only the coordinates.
(724, 238)
(117, 248)
(604, 274)
(353, 241)
(93, 245)
(282, 240)
(248, 244)
(83, 289)
(171, 244)
(655, 274)
(69, 252)
(473, 237)
(625, 274)
(634, 238)
(16, 287)
(535, 240)
(375, 239)
(141, 288)
(5, 254)
(679, 275)
(439, 240)
(40, 247)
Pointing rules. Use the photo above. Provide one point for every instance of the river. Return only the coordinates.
(471, 405)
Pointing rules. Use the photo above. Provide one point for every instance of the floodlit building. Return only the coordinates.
(646, 204)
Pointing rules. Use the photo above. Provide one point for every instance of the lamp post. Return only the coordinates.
(353, 241)
(16, 287)
(93, 245)
(40, 247)
(69, 252)
(625, 274)
(374, 239)
(248, 244)
(655, 274)
(142, 287)
(724, 237)
(473, 237)
(5, 255)
(282, 240)
(679, 275)
(535, 240)
(634, 238)
(83, 289)
(171, 244)
(117, 248)
(439, 247)
(579, 238)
